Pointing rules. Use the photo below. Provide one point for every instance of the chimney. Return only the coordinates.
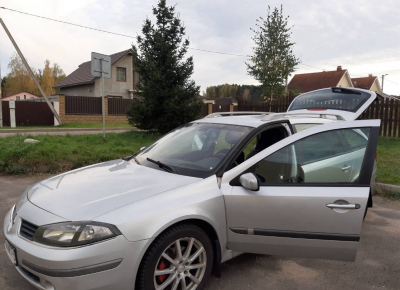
(339, 68)
(370, 75)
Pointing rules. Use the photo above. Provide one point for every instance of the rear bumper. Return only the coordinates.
(110, 264)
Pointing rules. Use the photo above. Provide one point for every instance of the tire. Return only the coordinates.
(178, 270)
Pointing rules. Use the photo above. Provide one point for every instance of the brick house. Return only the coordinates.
(121, 85)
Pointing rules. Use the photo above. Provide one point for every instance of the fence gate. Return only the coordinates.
(28, 114)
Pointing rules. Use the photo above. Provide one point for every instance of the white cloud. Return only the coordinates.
(362, 36)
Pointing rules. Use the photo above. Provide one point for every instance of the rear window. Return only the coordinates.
(334, 99)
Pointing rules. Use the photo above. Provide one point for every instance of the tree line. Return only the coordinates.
(239, 92)
(19, 80)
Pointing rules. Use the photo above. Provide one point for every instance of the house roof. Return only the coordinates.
(363, 83)
(314, 81)
(82, 75)
(21, 94)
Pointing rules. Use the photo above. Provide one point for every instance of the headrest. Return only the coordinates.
(232, 137)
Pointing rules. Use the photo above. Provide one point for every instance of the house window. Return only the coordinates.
(135, 79)
(18, 98)
(121, 74)
(24, 97)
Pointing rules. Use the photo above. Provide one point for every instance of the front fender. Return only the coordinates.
(147, 218)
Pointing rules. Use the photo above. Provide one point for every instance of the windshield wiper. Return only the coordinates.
(129, 158)
(163, 166)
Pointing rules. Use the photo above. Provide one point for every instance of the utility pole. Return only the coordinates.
(31, 73)
(383, 78)
(103, 112)
(100, 66)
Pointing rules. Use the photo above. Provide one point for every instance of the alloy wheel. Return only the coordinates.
(182, 265)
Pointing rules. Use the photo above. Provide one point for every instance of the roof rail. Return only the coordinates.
(220, 114)
(276, 116)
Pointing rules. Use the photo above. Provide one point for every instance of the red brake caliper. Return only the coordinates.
(161, 266)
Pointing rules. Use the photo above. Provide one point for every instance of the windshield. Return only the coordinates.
(193, 149)
(334, 98)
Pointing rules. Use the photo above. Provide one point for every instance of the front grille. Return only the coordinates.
(30, 275)
(27, 230)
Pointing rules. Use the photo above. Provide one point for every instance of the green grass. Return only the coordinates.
(389, 160)
(74, 125)
(389, 194)
(62, 153)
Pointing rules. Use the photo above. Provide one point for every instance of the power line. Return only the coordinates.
(128, 36)
(218, 52)
(56, 20)
(391, 81)
(124, 35)
(312, 66)
(133, 37)
(110, 32)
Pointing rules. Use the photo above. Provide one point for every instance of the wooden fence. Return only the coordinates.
(119, 107)
(388, 111)
(82, 105)
(28, 114)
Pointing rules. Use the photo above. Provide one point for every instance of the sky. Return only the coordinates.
(361, 36)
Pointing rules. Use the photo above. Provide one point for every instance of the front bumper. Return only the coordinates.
(111, 264)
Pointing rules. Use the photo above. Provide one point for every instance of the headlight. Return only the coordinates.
(13, 213)
(75, 233)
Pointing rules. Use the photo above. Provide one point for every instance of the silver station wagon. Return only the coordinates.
(297, 183)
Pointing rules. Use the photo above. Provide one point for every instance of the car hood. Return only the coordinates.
(89, 192)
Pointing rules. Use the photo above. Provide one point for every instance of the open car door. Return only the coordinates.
(304, 196)
(349, 103)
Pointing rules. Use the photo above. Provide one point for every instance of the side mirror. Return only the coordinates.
(142, 148)
(249, 181)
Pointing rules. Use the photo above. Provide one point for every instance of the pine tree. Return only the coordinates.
(273, 60)
(169, 98)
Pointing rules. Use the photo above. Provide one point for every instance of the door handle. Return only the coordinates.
(345, 167)
(343, 206)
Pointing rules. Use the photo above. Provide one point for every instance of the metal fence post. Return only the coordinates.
(12, 114)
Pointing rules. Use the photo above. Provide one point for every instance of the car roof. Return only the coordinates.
(258, 120)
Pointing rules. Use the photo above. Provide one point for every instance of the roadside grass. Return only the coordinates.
(62, 153)
(392, 195)
(388, 153)
(73, 126)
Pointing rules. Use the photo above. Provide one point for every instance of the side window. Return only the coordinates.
(356, 139)
(249, 147)
(318, 147)
(320, 158)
